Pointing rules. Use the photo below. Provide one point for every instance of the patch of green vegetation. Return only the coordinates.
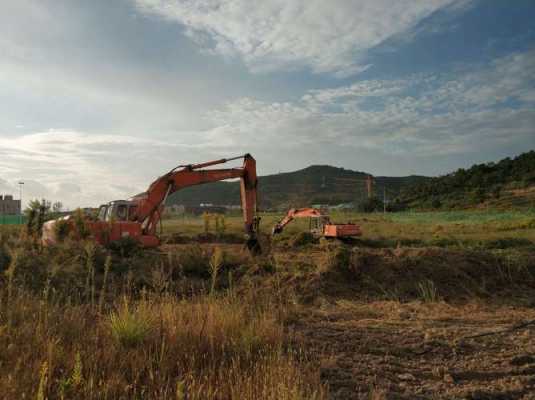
(490, 183)
(131, 326)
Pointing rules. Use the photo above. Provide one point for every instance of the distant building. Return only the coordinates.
(8, 206)
(210, 209)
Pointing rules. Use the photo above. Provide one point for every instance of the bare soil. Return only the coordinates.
(410, 346)
(389, 350)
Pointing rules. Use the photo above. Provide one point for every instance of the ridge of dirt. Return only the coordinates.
(406, 274)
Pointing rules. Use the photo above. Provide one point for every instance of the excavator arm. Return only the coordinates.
(150, 204)
(295, 213)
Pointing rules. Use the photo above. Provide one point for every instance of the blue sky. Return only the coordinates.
(98, 98)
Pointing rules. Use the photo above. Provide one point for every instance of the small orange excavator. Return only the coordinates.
(139, 216)
(320, 224)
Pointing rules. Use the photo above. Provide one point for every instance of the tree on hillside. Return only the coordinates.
(474, 185)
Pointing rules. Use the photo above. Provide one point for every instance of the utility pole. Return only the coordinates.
(21, 183)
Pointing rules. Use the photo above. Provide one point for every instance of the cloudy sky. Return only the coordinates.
(97, 98)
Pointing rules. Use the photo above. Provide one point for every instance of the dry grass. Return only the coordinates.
(138, 340)
(153, 348)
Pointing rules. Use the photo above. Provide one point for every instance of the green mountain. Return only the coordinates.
(317, 184)
(509, 183)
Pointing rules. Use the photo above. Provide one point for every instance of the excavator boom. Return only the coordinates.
(150, 203)
(295, 213)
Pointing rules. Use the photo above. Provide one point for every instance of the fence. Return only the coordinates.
(12, 219)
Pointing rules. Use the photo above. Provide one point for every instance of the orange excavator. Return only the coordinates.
(139, 216)
(320, 224)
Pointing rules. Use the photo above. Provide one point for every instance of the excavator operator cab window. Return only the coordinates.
(131, 212)
(101, 216)
(121, 212)
(317, 224)
(314, 224)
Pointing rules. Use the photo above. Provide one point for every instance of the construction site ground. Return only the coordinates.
(373, 331)
(389, 350)
(396, 321)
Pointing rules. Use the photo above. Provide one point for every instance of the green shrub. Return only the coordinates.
(131, 326)
(301, 239)
(191, 260)
(370, 205)
(428, 291)
(62, 229)
(82, 230)
(28, 269)
(5, 257)
(220, 224)
(338, 259)
(125, 247)
(216, 262)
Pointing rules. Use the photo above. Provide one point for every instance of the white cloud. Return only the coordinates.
(475, 109)
(326, 36)
(87, 169)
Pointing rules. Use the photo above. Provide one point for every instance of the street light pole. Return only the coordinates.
(21, 183)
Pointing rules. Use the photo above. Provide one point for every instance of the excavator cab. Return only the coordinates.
(317, 224)
(118, 210)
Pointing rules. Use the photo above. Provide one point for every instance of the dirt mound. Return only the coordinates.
(405, 274)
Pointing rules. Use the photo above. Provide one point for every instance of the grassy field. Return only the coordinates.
(422, 228)
(389, 315)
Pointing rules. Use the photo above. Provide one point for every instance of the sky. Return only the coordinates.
(98, 98)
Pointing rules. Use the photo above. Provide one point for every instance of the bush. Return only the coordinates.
(436, 203)
(5, 257)
(302, 239)
(428, 291)
(62, 229)
(338, 259)
(82, 230)
(370, 205)
(131, 326)
(27, 269)
(191, 260)
(396, 206)
(126, 246)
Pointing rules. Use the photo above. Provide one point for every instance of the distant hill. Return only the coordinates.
(509, 183)
(317, 184)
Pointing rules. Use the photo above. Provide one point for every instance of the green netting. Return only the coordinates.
(12, 219)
